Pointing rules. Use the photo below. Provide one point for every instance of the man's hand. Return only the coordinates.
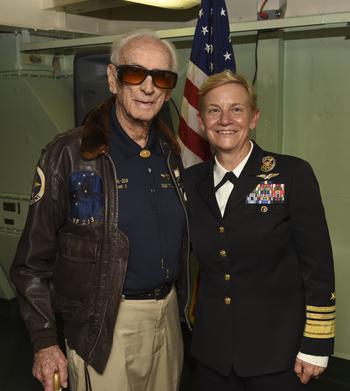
(47, 361)
(306, 371)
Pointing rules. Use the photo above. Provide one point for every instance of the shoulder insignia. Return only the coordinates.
(38, 189)
(268, 163)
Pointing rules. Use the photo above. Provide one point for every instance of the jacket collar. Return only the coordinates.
(97, 130)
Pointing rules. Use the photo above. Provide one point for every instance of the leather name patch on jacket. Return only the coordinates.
(86, 197)
(267, 193)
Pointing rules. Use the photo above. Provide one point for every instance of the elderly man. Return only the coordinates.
(106, 237)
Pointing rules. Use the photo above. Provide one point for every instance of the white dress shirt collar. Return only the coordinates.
(220, 171)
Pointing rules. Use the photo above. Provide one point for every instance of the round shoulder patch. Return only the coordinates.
(38, 189)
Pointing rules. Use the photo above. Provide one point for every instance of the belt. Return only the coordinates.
(159, 293)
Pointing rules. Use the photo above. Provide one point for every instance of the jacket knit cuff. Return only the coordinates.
(44, 342)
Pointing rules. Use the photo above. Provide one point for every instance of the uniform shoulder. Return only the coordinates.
(53, 152)
(63, 139)
(198, 169)
(196, 174)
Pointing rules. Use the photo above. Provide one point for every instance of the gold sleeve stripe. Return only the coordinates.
(320, 309)
(310, 315)
(319, 336)
(319, 329)
(320, 322)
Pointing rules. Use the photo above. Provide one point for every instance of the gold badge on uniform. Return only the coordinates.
(268, 163)
(145, 153)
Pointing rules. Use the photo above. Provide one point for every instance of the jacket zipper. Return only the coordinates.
(116, 214)
(188, 241)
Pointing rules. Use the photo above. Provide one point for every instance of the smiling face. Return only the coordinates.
(139, 104)
(227, 118)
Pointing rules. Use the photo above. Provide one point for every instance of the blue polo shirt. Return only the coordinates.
(150, 213)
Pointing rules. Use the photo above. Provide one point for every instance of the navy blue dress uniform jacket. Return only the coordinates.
(266, 287)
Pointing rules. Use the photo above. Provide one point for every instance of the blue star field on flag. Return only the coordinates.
(212, 49)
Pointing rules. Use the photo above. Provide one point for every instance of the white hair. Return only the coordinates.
(119, 46)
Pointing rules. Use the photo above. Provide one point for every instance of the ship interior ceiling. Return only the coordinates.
(300, 62)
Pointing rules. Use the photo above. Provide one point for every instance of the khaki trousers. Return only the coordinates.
(147, 350)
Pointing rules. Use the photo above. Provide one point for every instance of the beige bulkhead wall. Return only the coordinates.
(304, 91)
(35, 105)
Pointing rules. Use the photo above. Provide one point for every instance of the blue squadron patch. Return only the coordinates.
(86, 197)
(38, 189)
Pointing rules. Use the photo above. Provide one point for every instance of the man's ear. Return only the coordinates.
(112, 78)
(167, 96)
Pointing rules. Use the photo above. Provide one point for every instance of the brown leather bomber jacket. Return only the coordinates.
(77, 268)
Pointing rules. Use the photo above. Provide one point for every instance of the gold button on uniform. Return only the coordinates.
(264, 209)
(145, 153)
(227, 277)
(222, 254)
(221, 229)
(227, 300)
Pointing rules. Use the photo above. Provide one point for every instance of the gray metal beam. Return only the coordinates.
(243, 28)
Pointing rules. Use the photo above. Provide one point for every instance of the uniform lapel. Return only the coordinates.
(206, 190)
(247, 181)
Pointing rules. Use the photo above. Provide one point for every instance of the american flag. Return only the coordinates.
(211, 53)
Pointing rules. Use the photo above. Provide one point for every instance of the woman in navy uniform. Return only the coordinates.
(265, 315)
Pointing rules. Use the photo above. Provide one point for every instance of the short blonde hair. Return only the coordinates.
(227, 77)
(119, 46)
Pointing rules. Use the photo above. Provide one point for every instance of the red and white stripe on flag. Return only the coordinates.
(194, 147)
(211, 53)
